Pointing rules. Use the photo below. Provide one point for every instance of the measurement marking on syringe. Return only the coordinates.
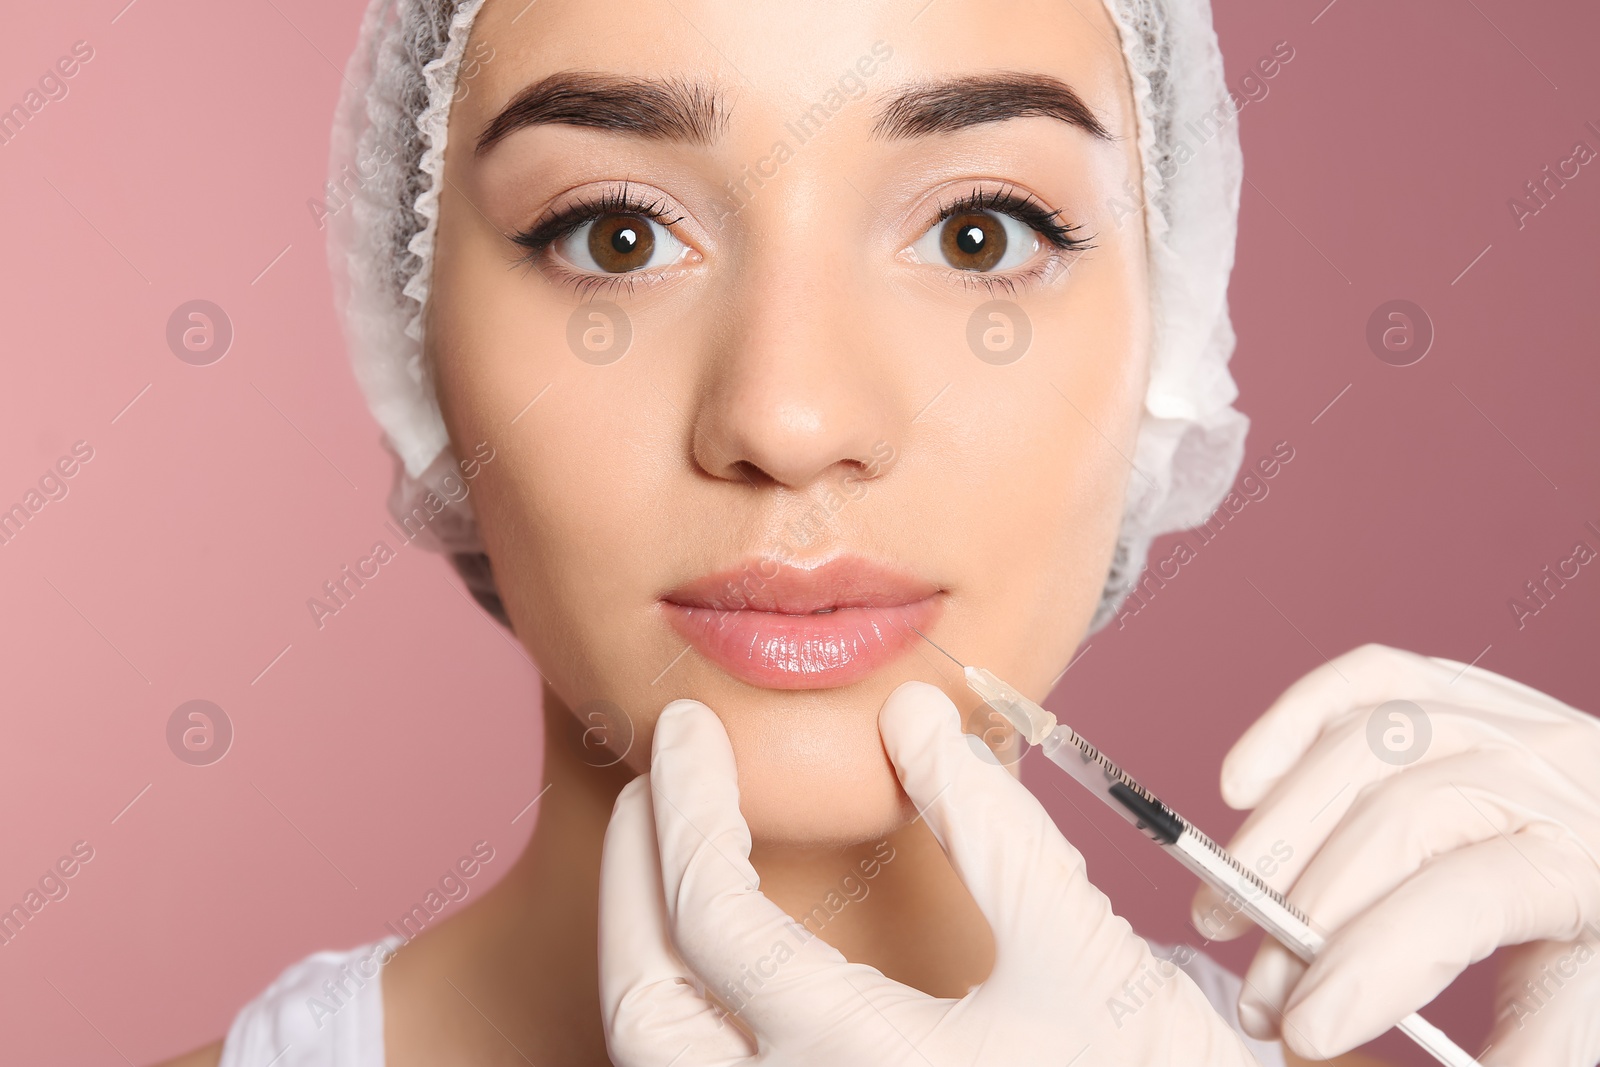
(1250, 876)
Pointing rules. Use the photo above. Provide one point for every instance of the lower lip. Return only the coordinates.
(817, 651)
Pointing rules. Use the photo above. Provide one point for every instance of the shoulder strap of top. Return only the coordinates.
(325, 1011)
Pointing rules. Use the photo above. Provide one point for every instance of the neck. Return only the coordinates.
(534, 934)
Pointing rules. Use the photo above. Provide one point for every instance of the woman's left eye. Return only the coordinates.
(978, 240)
(620, 243)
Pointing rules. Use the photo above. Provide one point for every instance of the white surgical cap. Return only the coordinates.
(387, 164)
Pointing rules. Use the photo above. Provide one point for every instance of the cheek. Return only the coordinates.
(570, 513)
(1099, 375)
(1101, 387)
(565, 508)
(1042, 520)
(1058, 558)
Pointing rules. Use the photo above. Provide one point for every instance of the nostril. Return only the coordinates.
(753, 474)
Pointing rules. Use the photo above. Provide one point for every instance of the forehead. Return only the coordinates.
(771, 58)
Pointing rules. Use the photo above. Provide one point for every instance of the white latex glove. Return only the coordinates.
(1423, 862)
(681, 912)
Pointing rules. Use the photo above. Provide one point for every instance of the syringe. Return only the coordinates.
(1243, 888)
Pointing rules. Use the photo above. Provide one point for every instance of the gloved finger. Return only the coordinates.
(653, 1014)
(1473, 685)
(1362, 678)
(1274, 968)
(785, 982)
(1062, 957)
(1545, 1005)
(1025, 877)
(1284, 835)
(1396, 827)
(1275, 742)
(1399, 954)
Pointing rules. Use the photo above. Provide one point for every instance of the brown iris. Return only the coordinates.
(972, 240)
(620, 243)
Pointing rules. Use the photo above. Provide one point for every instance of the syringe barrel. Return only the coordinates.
(1097, 774)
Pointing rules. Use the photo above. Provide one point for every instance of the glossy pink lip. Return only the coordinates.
(783, 627)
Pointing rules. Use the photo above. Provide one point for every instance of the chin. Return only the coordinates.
(813, 771)
(796, 800)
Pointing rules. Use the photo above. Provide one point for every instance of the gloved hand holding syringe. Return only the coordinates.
(1253, 897)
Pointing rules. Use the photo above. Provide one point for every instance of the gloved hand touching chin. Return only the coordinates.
(1435, 812)
(681, 912)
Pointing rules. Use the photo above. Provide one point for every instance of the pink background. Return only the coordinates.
(373, 753)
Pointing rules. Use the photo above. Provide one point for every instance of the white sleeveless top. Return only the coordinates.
(327, 1010)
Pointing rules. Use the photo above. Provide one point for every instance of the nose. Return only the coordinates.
(792, 395)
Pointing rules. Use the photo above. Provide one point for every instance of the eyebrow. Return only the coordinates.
(665, 109)
(951, 104)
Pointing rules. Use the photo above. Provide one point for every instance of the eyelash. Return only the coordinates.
(1031, 212)
(1026, 209)
(538, 238)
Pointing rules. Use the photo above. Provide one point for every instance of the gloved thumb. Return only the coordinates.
(771, 971)
(1025, 877)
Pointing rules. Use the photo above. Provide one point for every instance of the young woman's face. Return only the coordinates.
(714, 278)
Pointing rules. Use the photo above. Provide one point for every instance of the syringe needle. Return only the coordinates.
(931, 641)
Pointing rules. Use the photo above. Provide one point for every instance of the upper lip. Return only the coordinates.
(766, 584)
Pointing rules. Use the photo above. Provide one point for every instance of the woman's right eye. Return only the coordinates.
(619, 243)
